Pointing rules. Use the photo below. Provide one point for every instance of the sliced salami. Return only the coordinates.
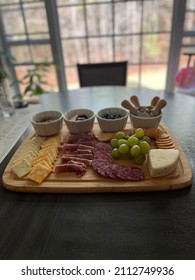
(131, 173)
(100, 167)
(105, 157)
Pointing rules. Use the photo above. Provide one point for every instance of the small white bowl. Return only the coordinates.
(47, 123)
(79, 126)
(112, 125)
(145, 122)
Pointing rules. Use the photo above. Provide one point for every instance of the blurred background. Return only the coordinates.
(150, 34)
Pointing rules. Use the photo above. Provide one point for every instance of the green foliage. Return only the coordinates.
(35, 80)
(3, 72)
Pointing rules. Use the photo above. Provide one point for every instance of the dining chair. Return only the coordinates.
(101, 74)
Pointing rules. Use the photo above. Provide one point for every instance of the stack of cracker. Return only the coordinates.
(37, 158)
(22, 162)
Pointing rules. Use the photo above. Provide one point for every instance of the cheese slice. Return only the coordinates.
(45, 158)
(39, 173)
(162, 162)
(26, 153)
(21, 168)
(26, 157)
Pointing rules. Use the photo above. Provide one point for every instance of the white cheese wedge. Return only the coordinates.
(162, 162)
(21, 168)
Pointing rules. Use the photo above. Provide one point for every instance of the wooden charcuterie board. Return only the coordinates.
(93, 183)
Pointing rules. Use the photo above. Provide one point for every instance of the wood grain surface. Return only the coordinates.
(93, 183)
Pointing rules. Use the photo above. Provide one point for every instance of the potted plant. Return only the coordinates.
(35, 82)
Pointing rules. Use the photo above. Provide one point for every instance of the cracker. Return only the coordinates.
(104, 137)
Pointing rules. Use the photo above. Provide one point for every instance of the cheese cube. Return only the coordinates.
(162, 162)
(21, 168)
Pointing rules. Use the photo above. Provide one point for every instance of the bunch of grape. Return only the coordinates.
(135, 146)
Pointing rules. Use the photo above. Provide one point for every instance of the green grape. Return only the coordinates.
(132, 140)
(139, 133)
(144, 146)
(123, 149)
(147, 139)
(122, 141)
(135, 150)
(114, 143)
(120, 135)
(115, 153)
(140, 159)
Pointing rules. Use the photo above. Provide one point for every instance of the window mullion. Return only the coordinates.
(54, 30)
(175, 43)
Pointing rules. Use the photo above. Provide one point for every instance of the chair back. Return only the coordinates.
(101, 74)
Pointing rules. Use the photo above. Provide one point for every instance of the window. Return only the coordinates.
(26, 36)
(66, 32)
(99, 31)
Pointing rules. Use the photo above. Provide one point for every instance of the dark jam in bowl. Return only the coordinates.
(111, 116)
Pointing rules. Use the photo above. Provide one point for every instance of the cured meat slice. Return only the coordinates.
(100, 167)
(105, 157)
(102, 148)
(85, 156)
(103, 151)
(85, 137)
(125, 172)
(110, 173)
(82, 151)
(66, 159)
(91, 143)
(70, 167)
(73, 147)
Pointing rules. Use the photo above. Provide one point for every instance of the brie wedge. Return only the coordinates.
(162, 162)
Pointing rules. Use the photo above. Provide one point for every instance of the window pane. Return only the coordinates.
(21, 53)
(98, 1)
(128, 48)
(155, 48)
(133, 76)
(72, 78)
(42, 53)
(71, 20)
(189, 23)
(100, 50)
(32, 53)
(37, 22)
(157, 15)
(9, 1)
(153, 77)
(188, 41)
(13, 22)
(99, 19)
(190, 4)
(74, 51)
(16, 37)
(127, 17)
(68, 2)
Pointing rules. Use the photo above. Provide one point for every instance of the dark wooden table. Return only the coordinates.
(150, 225)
